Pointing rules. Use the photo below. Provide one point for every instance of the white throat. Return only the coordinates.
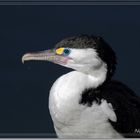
(66, 92)
(72, 118)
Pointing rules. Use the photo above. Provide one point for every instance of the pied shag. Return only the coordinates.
(86, 102)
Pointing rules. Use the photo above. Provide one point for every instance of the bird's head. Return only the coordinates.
(82, 53)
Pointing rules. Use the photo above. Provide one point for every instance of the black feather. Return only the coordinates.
(125, 102)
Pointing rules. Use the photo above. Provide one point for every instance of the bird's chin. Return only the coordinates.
(63, 61)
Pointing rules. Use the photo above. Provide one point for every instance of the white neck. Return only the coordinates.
(69, 116)
(66, 92)
(98, 75)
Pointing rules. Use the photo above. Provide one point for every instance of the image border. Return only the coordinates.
(37, 136)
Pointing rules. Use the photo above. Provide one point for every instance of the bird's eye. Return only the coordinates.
(66, 51)
(63, 51)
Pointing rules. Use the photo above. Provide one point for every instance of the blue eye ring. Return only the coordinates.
(66, 51)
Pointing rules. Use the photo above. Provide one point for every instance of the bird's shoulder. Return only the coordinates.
(125, 103)
(111, 91)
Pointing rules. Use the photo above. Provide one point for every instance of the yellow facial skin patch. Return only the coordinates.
(59, 51)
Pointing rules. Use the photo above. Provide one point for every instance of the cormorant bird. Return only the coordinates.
(87, 103)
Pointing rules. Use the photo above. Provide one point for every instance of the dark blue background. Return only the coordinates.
(24, 89)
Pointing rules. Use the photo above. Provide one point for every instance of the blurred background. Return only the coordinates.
(24, 88)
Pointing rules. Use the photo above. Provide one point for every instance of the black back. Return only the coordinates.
(125, 103)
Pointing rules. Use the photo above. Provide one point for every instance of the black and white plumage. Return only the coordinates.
(87, 103)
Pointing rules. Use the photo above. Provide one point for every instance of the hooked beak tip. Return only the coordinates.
(22, 59)
(25, 57)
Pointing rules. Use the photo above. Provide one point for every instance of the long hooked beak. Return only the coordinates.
(47, 55)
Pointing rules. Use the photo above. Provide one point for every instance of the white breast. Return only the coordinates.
(72, 120)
